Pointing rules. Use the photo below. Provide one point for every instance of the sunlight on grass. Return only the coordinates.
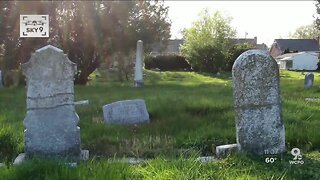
(189, 112)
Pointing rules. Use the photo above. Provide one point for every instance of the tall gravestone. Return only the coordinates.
(308, 80)
(138, 73)
(259, 124)
(51, 120)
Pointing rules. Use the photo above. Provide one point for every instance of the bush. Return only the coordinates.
(206, 42)
(170, 62)
(234, 52)
(122, 64)
(207, 58)
(8, 145)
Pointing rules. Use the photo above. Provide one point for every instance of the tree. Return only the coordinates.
(206, 42)
(234, 52)
(132, 21)
(88, 31)
(317, 20)
(18, 50)
(9, 34)
(79, 37)
(306, 32)
(317, 24)
(149, 22)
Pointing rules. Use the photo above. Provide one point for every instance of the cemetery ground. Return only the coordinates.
(190, 115)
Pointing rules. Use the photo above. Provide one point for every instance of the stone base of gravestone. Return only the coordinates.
(126, 112)
(21, 158)
(138, 84)
(45, 133)
(224, 150)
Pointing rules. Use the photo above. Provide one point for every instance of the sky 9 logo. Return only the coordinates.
(34, 25)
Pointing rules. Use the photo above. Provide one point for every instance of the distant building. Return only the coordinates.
(283, 46)
(298, 61)
(252, 41)
(262, 46)
(173, 46)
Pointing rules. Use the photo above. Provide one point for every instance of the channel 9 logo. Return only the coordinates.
(297, 157)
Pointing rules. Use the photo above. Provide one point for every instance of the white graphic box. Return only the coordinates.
(34, 25)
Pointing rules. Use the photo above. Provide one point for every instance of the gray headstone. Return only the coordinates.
(126, 112)
(20, 159)
(51, 120)
(138, 73)
(308, 80)
(256, 94)
(1, 81)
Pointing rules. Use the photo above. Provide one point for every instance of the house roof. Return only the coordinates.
(289, 56)
(298, 44)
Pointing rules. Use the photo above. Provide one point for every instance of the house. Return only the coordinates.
(283, 46)
(251, 41)
(298, 61)
(172, 46)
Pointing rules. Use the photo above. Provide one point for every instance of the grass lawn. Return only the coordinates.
(190, 115)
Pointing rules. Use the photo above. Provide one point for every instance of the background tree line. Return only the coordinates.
(208, 43)
(90, 32)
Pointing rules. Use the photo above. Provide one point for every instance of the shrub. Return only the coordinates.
(169, 62)
(234, 52)
(122, 64)
(206, 42)
(207, 58)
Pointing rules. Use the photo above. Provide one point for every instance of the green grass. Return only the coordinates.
(190, 114)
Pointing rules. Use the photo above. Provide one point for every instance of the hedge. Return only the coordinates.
(170, 62)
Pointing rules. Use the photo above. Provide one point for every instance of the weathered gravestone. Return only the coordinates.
(126, 112)
(308, 80)
(51, 121)
(259, 123)
(138, 73)
(1, 84)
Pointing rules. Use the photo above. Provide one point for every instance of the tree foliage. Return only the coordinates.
(317, 20)
(168, 62)
(88, 31)
(207, 42)
(306, 32)
(234, 52)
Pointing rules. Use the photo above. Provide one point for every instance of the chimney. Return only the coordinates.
(255, 40)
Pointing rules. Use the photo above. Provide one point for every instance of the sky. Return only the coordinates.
(267, 20)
